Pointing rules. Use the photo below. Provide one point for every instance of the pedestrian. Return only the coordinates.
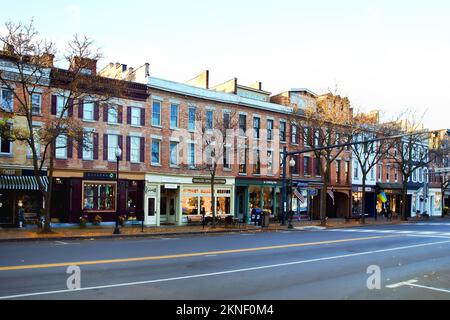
(203, 213)
(389, 214)
(21, 217)
(383, 211)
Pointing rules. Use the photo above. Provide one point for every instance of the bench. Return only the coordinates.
(194, 219)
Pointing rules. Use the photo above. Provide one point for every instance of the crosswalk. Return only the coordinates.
(399, 232)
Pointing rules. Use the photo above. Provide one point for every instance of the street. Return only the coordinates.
(413, 260)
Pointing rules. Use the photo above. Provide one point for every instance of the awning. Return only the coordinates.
(21, 182)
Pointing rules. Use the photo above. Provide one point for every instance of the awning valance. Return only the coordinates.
(22, 182)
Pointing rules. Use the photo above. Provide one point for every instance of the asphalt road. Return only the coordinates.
(413, 261)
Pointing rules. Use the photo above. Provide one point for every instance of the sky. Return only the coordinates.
(384, 55)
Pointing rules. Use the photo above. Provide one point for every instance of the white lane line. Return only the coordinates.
(62, 243)
(203, 275)
(413, 283)
(248, 234)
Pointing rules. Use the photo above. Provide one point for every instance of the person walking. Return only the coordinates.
(21, 217)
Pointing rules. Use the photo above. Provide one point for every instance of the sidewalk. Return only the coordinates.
(32, 233)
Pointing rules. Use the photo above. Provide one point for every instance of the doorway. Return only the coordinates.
(168, 205)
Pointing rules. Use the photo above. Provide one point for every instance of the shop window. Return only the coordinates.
(268, 199)
(255, 197)
(132, 200)
(99, 196)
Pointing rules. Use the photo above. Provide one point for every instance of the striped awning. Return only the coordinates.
(21, 182)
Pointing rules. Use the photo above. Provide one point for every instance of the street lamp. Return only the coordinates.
(292, 165)
(118, 156)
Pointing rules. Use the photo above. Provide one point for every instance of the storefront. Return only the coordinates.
(309, 208)
(357, 201)
(96, 193)
(19, 189)
(258, 194)
(171, 199)
(393, 192)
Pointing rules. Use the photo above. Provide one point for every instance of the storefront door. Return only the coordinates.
(151, 211)
(172, 217)
(163, 210)
(6, 208)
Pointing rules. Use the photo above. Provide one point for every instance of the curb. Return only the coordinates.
(131, 236)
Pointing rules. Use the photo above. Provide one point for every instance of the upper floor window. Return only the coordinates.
(388, 173)
(270, 162)
(173, 153)
(191, 118)
(88, 111)
(256, 161)
(113, 114)
(306, 136)
(242, 157)
(294, 134)
(282, 131)
(380, 172)
(113, 144)
(227, 157)
(36, 103)
(191, 155)
(316, 137)
(6, 102)
(209, 119)
(88, 148)
(37, 145)
(62, 109)
(61, 147)
(355, 170)
(347, 172)
(135, 116)
(306, 166)
(5, 146)
(156, 151)
(269, 129)
(174, 110)
(242, 124)
(338, 171)
(135, 149)
(156, 113)
(256, 127)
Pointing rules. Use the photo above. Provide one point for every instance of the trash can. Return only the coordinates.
(266, 219)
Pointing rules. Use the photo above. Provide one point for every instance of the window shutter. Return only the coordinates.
(80, 150)
(96, 111)
(70, 108)
(120, 114)
(69, 147)
(54, 101)
(120, 139)
(105, 147)
(95, 146)
(300, 164)
(105, 113)
(80, 108)
(142, 151)
(128, 148)
(143, 117)
(128, 115)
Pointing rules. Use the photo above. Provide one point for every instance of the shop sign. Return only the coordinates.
(151, 189)
(313, 192)
(171, 186)
(208, 181)
(10, 172)
(100, 176)
(273, 183)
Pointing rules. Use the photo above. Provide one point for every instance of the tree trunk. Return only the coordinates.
(404, 200)
(213, 201)
(363, 200)
(48, 196)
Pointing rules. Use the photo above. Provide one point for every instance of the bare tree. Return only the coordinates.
(216, 131)
(325, 125)
(365, 128)
(411, 152)
(28, 68)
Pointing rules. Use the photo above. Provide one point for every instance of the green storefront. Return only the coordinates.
(260, 194)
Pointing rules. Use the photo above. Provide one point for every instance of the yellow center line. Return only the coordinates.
(184, 255)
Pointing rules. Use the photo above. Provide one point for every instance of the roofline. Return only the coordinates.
(219, 96)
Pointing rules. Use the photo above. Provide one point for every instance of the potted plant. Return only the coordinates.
(97, 220)
(83, 221)
(122, 220)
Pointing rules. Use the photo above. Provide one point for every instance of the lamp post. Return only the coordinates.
(292, 165)
(118, 155)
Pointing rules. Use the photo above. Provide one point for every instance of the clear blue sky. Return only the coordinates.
(386, 55)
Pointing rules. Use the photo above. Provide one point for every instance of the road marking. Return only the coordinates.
(185, 255)
(430, 234)
(60, 242)
(203, 275)
(412, 283)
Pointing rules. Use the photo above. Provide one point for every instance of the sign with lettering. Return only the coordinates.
(10, 172)
(100, 176)
(208, 181)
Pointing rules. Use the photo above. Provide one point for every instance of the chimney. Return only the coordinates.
(87, 66)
